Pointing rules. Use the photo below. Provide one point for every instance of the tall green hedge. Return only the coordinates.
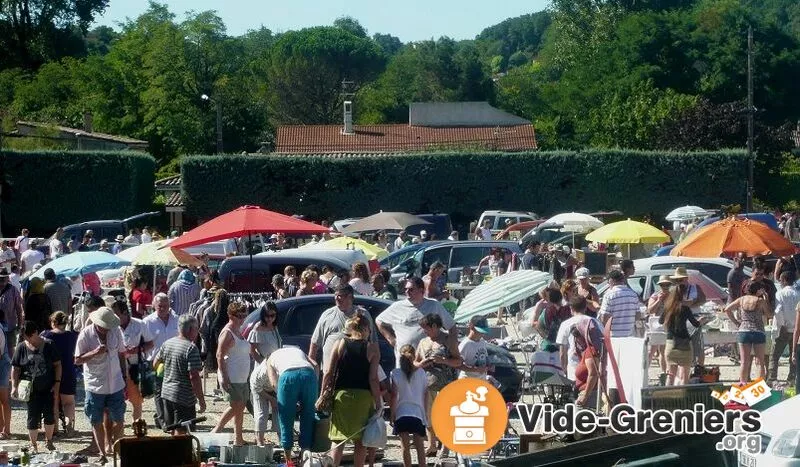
(45, 189)
(464, 185)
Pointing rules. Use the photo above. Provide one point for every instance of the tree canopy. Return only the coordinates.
(639, 74)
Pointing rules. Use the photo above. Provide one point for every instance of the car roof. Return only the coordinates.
(243, 262)
(348, 256)
(647, 262)
(330, 297)
(498, 211)
(524, 226)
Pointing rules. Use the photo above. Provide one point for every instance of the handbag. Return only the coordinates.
(24, 390)
(325, 404)
(147, 377)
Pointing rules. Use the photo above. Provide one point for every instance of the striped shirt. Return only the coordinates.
(622, 303)
(180, 358)
(182, 295)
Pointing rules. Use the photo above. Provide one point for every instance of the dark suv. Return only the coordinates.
(298, 316)
(455, 255)
(104, 229)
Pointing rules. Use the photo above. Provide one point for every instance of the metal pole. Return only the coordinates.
(252, 273)
(750, 109)
(218, 105)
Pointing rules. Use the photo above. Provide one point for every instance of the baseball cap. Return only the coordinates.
(480, 324)
(582, 273)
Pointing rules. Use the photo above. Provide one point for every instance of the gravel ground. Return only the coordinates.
(392, 455)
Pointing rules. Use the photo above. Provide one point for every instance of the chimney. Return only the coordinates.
(348, 118)
(87, 122)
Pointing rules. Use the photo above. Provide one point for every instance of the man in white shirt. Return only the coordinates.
(484, 232)
(565, 340)
(131, 238)
(400, 241)
(31, 257)
(137, 341)
(56, 245)
(101, 351)
(7, 256)
(399, 323)
(786, 301)
(146, 237)
(161, 325)
(13, 278)
(21, 243)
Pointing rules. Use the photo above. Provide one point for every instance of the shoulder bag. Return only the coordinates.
(325, 402)
(25, 387)
(147, 378)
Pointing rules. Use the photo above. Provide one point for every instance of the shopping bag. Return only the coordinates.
(24, 391)
(374, 435)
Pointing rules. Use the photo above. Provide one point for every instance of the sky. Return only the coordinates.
(410, 20)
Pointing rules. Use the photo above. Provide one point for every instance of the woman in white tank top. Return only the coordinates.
(233, 360)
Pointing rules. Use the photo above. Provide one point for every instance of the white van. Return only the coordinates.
(498, 219)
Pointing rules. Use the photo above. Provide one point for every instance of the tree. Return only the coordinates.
(426, 71)
(99, 40)
(518, 58)
(389, 43)
(633, 117)
(306, 70)
(33, 32)
(351, 25)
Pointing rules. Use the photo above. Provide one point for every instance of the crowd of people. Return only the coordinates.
(569, 318)
(161, 343)
(144, 344)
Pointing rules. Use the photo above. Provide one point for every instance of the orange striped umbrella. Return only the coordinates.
(733, 235)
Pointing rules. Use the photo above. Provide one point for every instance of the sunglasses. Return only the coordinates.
(271, 315)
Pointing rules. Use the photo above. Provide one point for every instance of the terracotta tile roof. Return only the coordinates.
(174, 200)
(169, 183)
(320, 139)
(344, 155)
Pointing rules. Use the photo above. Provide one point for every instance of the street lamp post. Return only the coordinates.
(218, 107)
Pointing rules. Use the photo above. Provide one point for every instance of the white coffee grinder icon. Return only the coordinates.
(470, 418)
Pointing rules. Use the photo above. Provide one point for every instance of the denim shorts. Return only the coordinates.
(751, 337)
(95, 404)
(5, 371)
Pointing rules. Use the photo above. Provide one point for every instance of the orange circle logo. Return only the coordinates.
(469, 416)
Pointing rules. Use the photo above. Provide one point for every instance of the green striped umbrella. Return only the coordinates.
(502, 291)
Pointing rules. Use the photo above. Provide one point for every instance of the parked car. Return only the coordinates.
(240, 275)
(716, 269)
(516, 231)
(546, 232)
(780, 438)
(350, 257)
(645, 281)
(104, 229)
(298, 316)
(398, 256)
(498, 219)
(456, 256)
